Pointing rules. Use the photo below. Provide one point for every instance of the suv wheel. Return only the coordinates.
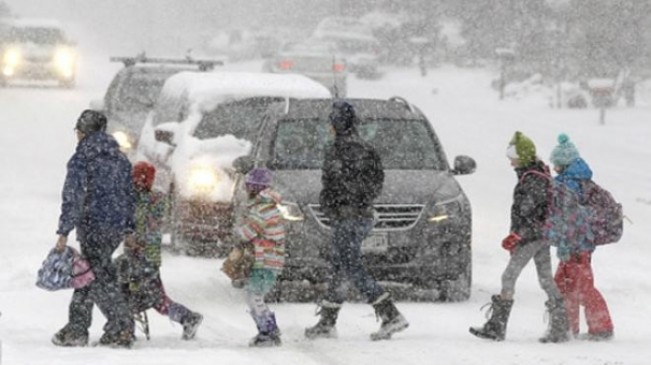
(457, 290)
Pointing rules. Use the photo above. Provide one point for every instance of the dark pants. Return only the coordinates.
(346, 260)
(98, 247)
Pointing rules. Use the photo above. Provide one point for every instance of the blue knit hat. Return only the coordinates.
(565, 153)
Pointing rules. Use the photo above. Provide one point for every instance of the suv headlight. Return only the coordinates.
(64, 59)
(444, 210)
(12, 57)
(202, 179)
(291, 211)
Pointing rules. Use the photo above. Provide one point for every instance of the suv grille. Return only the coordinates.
(390, 216)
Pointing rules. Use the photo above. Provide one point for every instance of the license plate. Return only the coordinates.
(376, 243)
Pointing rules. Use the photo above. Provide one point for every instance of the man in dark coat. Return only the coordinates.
(352, 178)
(98, 201)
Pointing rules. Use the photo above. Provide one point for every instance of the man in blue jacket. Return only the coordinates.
(98, 201)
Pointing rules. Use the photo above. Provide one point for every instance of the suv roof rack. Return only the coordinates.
(400, 99)
(204, 65)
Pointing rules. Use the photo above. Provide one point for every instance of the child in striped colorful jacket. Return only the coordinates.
(263, 228)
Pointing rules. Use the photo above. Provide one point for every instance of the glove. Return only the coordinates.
(510, 242)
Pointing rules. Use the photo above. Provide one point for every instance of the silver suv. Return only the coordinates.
(420, 246)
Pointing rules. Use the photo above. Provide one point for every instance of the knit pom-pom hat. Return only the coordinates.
(565, 153)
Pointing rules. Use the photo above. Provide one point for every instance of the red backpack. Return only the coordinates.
(606, 217)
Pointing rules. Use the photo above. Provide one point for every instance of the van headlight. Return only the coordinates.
(64, 59)
(123, 140)
(291, 211)
(444, 210)
(202, 179)
(12, 57)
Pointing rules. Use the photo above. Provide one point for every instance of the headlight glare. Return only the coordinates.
(12, 57)
(123, 140)
(291, 211)
(444, 210)
(202, 179)
(64, 59)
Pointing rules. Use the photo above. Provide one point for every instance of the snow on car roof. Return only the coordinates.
(207, 89)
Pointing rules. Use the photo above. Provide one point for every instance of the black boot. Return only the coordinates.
(559, 326)
(495, 328)
(392, 320)
(325, 328)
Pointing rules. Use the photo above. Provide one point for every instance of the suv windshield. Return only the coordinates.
(36, 35)
(402, 144)
(241, 119)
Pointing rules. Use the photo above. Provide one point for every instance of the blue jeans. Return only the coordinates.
(346, 260)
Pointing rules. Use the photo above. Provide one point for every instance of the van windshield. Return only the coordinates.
(401, 144)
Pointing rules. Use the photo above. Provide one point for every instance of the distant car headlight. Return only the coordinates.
(123, 140)
(12, 57)
(64, 59)
(202, 179)
(291, 211)
(442, 211)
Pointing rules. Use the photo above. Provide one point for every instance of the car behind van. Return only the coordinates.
(201, 122)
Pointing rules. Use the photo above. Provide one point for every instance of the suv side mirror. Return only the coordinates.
(464, 165)
(243, 164)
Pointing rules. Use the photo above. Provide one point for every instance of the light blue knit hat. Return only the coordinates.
(565, 153)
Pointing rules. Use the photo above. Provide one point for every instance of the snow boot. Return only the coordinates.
(122, 339)
(191, 323)
(600, 336)
(67, 337)
(392, 320)
(325, 328)
(495, 328)
(559, 326)
(268, 332)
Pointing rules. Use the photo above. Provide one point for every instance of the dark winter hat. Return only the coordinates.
(91, 121)
(521, 148)
(565, 153)
(143, 175)
(259, 176)
(342, 117)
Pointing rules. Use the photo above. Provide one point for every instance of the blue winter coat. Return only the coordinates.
(98, 191)
(573, 174)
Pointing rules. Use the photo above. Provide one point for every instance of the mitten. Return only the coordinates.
(511, 241)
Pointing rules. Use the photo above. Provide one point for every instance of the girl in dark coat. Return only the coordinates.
(525, 242)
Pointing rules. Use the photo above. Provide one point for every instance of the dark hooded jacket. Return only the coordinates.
(530, 202)
(352, 178)
(98, 193)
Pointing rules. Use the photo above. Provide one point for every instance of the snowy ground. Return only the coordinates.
(37, 140)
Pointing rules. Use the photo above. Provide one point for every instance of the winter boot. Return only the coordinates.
(392, 320)
(122, 339)
(325, 328)
(559, 326)
(495, 328)
(67, 337)
(191, 323)
(268, 332)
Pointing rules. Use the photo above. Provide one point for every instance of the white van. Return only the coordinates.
(201, 122)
